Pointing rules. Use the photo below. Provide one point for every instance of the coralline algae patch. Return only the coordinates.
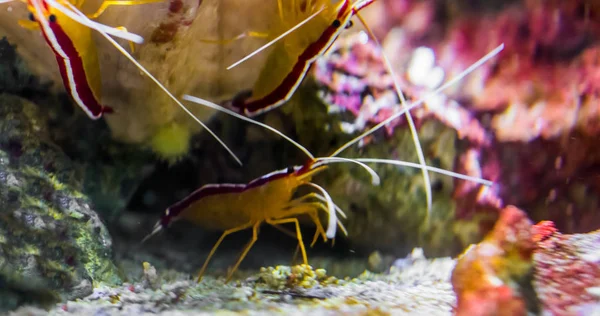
(353, 78)
(567, 277)
(281, 290)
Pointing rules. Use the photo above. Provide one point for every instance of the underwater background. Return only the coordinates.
(79, 194)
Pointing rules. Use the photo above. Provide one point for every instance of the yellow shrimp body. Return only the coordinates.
(74, 48)
(293, 55)
(221, 207)
(234, 207)
(285, 56)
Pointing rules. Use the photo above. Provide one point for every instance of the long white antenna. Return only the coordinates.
(409, 119)
(429, 168)
(275, 40)
(160, 85)
(76, 15)
(417, 103)
(375, 180)
(247, 119)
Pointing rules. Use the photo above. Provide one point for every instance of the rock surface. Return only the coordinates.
(52, 244)
(421, 288)
(567, 273)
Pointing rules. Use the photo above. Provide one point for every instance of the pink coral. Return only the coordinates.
(567, 267)
(530, 118)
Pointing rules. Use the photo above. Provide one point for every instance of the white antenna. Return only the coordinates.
(417, 103)
(247, 119)
(76, 15)
(409, 120)
(160, 85)
(429, 168)
(275, 40)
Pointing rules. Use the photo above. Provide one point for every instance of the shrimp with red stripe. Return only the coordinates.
(271, 198)
(75, 51)
(68, 32)
(311, 28)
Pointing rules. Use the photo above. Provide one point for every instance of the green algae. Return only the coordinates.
(52, 240)
(392, 216)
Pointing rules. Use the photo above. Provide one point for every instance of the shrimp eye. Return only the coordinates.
(52, 18)
(349, 24)
(31, 17)
(290, 170)
(336, 23)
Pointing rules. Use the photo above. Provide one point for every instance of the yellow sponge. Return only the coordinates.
(171, 142)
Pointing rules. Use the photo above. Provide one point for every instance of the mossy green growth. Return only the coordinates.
(51, 239)
(390, 217)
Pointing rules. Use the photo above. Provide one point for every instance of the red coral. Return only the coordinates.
(543, 230)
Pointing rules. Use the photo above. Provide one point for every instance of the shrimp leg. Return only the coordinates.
(109, 3)
(212, 251)
(245, 251)
(285, 231)
(29, 25)
(298, 233)
(318, 197)
(131, 44)
(289, 233)
(311, 210)
(316, 205)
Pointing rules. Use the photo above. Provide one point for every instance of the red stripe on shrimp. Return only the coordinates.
(295, 77)
(217, 189)
(79, 87)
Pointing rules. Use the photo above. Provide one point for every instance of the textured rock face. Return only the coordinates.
(567, 274)
(52, 244)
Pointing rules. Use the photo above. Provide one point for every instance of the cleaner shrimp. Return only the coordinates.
(270, 199)
(68, 33)
(312, 27)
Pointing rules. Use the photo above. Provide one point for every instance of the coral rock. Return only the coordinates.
(52, 244)
(567, 271)
(493, 277)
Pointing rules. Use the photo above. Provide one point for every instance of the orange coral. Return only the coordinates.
(487, 276)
